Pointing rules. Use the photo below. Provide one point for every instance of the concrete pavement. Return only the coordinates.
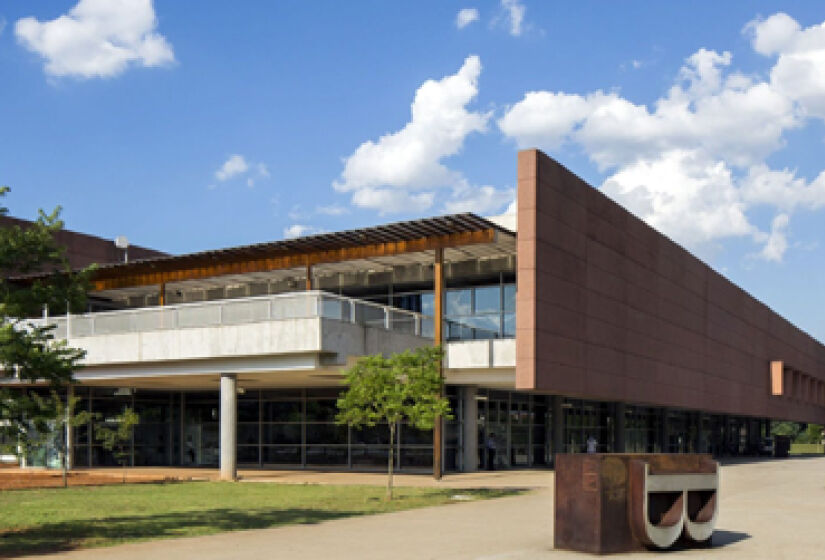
(769, 509)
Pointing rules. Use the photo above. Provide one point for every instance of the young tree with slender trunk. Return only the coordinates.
(115, 435)
(405, 387)
(65, 419)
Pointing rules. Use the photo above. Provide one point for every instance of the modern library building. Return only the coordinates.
(574, 320)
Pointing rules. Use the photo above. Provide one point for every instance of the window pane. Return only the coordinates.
(282, 455)
(321, 410)
(285, 411)
(428, 304)
(458, 302)
(282, 433)
(488, 299)
(318, 455)
(510, 298)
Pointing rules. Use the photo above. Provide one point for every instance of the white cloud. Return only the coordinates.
(300, 230)
(777, 241)
(465, 17)
(332, 210)
(480, 200)
(232, 167)
(402, 170)
(513, 14)
(798, 72)
(693, 163)
(237, 165)
(97, 38)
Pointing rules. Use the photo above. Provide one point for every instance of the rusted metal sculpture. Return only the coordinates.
(622, 502)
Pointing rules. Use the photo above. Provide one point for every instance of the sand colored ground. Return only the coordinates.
(769, 509)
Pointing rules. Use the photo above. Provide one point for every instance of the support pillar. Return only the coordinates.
(309, 277)
(162, 295)
(558, 427)
(470, 430)
(229, 426)
(619, 445)
(438, 339)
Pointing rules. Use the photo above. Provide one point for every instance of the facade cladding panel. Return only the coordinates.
(608, 308)
(83, 249)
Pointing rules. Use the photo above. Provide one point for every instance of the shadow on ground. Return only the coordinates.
(724, 538)
(56, 537)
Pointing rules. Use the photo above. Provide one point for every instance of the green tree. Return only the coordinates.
(811, 434)
(115, 435)
(404, 387)
(29, 352)
(65, 419)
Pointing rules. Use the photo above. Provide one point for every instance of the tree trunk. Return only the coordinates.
(390, 461)
(63, 463)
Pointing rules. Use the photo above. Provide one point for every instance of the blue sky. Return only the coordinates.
(192, 126)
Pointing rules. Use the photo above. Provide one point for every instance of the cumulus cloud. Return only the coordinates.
(97, 38)
(232, 167)
(403, 170)
(513, 15)
(693, 163)
(299, 230)
(465, 17)
(480, 200)
(236, 166)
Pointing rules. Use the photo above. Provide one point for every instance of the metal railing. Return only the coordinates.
(292, 305)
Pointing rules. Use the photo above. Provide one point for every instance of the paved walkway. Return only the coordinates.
(770, 509)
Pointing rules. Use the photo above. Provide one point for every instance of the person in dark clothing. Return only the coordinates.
(490, 444)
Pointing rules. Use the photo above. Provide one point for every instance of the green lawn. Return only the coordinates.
(62, 519)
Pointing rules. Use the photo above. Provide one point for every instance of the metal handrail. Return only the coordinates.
(290, 305)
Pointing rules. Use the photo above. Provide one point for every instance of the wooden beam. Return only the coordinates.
(438, 339)
(309, 277)
(162, 294)
(165, 271)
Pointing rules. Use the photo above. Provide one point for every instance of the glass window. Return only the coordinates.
(510, 298)
(458, 303)
(282, 433)
(322, 410)
(285, 411)
(488, 300)
(428, 304)
(278, 455)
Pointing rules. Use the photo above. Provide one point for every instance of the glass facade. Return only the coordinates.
(474, 312)
(520, 426)
(295, 428)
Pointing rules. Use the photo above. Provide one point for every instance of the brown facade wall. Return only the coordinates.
(608, 308)
(83, 249)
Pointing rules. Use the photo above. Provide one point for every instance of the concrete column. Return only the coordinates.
(619, 428)
(229, 426)
(558, 426)
(470, 436)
